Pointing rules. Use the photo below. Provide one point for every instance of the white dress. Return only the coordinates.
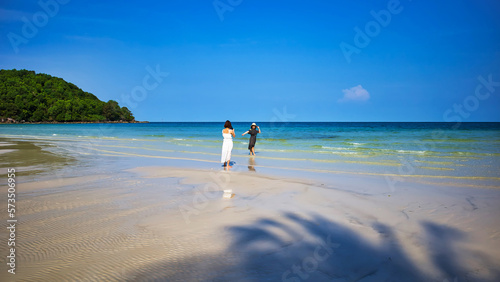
(227, 146)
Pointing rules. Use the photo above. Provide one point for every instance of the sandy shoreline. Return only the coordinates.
(169, 224)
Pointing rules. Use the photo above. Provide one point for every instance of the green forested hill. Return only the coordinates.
(26, 95)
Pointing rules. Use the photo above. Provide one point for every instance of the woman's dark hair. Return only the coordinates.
(228, 124)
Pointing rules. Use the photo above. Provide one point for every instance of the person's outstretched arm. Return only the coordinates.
(258, 128)
(244, 133)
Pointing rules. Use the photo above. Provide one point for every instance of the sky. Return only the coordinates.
(255, 60)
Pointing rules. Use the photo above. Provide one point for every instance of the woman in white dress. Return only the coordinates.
(227, 144)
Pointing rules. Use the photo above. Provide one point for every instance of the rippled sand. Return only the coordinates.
(91, 230)
(168, 224)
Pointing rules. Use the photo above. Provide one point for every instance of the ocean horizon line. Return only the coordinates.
(453, 124)
(261, 121)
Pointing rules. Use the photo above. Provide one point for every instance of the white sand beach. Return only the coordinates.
(160, 223)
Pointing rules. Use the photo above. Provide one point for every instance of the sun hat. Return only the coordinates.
(254, 124)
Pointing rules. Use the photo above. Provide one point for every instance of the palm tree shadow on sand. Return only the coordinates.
(318, 249)
(326, 251)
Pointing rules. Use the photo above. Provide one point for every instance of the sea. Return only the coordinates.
(459, 154)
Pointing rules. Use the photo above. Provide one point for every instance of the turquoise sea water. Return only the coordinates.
(466, 153)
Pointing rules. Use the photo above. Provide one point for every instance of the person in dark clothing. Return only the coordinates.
(253, 137)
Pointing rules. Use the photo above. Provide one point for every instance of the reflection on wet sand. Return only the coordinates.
(251, 164)
(29, 158)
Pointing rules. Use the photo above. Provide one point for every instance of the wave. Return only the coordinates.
(438, 163)
(411, 152)
(273, 140)
(331, 148)
(456, 140)
(436, 168)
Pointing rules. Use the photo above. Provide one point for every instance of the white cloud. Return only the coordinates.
(356, 93)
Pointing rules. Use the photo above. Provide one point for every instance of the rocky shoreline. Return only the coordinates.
(13, 121)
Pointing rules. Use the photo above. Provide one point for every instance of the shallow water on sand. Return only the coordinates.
(467, 153)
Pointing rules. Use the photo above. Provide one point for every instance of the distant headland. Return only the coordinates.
(29, 97)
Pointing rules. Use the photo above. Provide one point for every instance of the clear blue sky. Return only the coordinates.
(249, 60)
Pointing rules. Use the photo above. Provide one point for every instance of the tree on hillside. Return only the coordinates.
(26, 95)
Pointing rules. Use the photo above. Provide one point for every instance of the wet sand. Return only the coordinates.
(162, 223)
